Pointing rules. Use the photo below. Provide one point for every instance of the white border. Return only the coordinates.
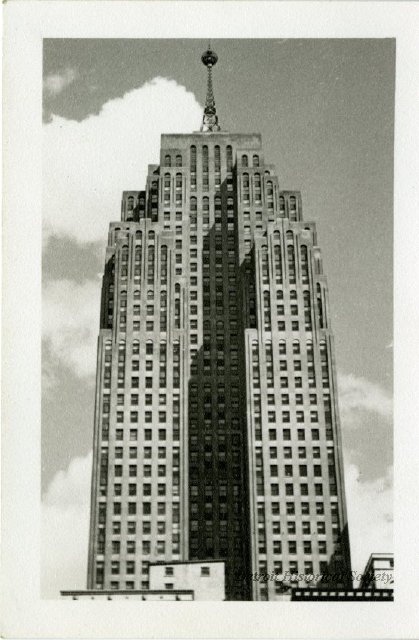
(26, 23)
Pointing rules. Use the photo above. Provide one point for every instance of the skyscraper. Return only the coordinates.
(217, 431)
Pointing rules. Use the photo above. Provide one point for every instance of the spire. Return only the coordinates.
(210, 119)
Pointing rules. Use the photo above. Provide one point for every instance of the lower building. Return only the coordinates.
(205, 579)
(378, 572)
(195, 580)
(127, 594)
(347, 595)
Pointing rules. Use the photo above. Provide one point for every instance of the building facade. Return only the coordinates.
(205, 579)
(217, 432)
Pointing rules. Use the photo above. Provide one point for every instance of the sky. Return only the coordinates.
(325, 109)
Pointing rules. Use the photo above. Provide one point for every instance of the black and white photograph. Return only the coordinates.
(211, 231)
(216, 325)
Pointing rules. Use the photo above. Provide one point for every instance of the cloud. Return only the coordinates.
(65, 529)
(358, 395)
(370, 509)
(55, 83)
(87, 164)
(49, 376)
(70, 323)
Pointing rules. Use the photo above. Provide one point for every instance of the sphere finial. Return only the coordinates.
(210, 121)
(209, 57)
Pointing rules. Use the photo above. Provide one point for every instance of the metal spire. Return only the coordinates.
(210, 119)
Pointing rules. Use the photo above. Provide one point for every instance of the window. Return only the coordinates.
(319, 508)
(321, 527)
(322, 546)
(292, 547)
(168, 571)
(274, 489)
(116, 545)
(306, 527)
(205, 571)
(307, 547)
(277, 546)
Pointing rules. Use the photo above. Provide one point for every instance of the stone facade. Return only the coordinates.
(217, 431)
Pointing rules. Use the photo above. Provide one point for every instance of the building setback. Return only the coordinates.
(217, 432)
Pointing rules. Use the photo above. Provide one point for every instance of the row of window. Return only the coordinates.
(147, 509)
(146, 434)
(306, 527)
(282, 346)
(305, 548)
(177, 160)
(302, 434)
(116, 585)
(290, 509)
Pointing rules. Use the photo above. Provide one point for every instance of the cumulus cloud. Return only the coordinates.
(370, 509)
(65, 527)
(70, 323)
(87, 164)
(358, 395)
(55, 83)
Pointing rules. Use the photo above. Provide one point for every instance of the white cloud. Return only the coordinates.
(49, 376)
(70, 322)
(370, 509)
(358, 395)
(65, 529)
(57, 82)
(87, 165)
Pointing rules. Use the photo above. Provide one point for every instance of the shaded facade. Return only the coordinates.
(217, 431)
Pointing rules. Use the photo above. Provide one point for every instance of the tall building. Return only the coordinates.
(217, 431)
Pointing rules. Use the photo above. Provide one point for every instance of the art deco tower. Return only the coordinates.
(216, 425)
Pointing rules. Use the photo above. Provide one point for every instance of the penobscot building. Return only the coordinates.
(217, 434)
